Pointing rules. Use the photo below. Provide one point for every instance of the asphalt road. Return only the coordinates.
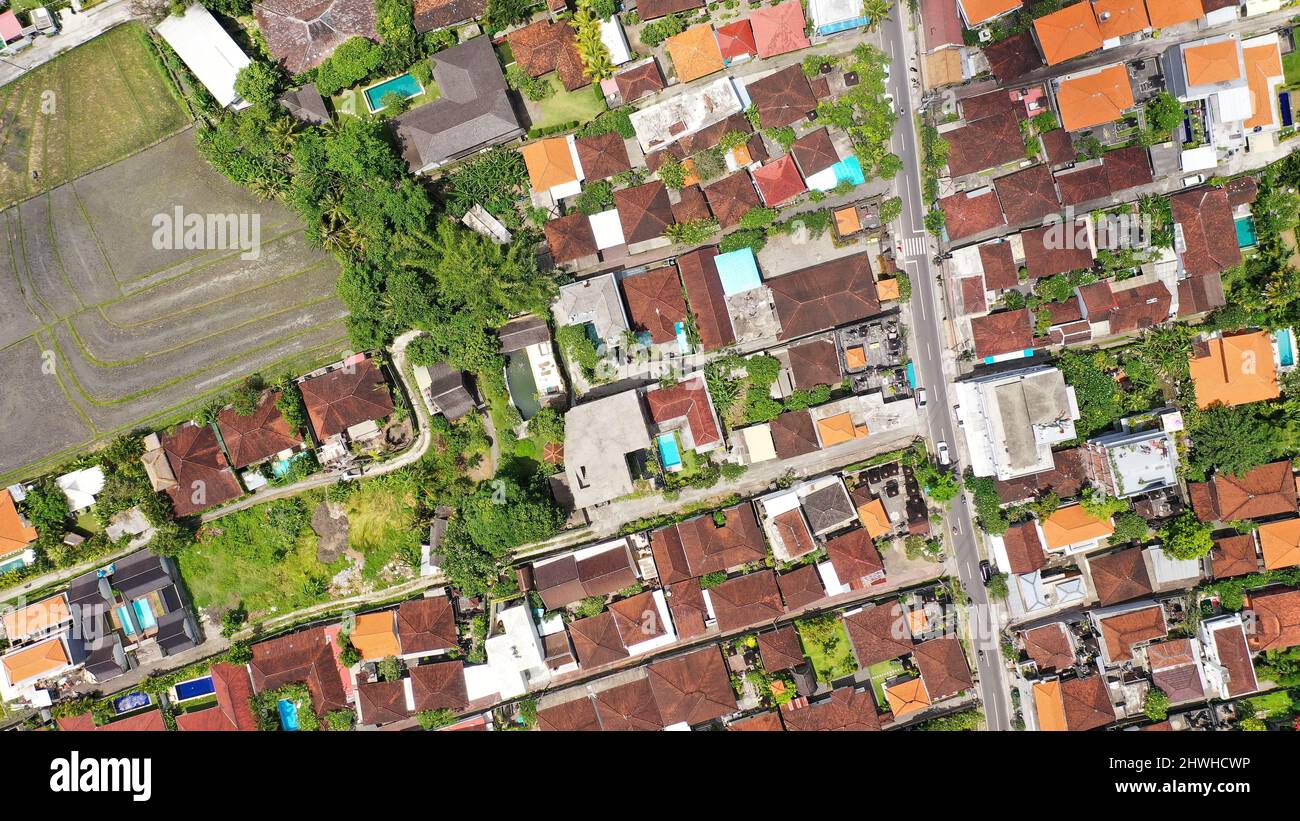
(928, 344)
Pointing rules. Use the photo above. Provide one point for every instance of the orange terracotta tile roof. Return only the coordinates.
(1263, 68)
(1171, 12)
(375, 635)
(1051, 710)
(695, 53)
(1072, 525)
(15, 534)
(35, 661)
(847, 222)
(550, 163)
(856, 357)
(907, 697)
(874, 518)
(1117, 18)
(887, 289)
(977, 11)
(1068, 33)
(1213, 62)
(837, 429)
(1122, 631)
(37, 617)
(1280, 543)
(1235, 370)
(1094, 99)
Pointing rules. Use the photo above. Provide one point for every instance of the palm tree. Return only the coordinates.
(876, 11)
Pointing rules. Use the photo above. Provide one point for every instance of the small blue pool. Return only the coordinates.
(12, 564)
(1284, 100)
(849, 170)
(669, 454)
(1246, 233)
(403, 85)
(1285, 347)
(911, 375)
(288, 714)
(194, 688)
(130, 702)
(843, 25)
(683, 341)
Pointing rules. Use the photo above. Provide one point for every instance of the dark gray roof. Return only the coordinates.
(175, 632)
(306, 104)
(518, 334)
(474, 111)
(828, 507)
(108, 661)
(140, 574)
(448, 392)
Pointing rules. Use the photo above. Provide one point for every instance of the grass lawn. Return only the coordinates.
(381, 522)
(566, 106)
(831, 660)
(89, 107)
(880, 673)
(88, 522)
(1291, 68)
(264, 557)
(1273, 705)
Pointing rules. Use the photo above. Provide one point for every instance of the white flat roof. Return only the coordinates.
(611, 34)
(607, 228)
(203, 45)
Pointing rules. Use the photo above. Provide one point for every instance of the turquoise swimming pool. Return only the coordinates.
(143, 616)
(669, 454)
(403, 85)
(1285, 347)
(288, 714)
(850, 171)
(1246, 237)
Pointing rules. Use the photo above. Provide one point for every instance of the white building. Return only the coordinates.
(203, 45)
(1011, 420)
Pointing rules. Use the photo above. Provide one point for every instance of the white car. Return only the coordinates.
(886, 72)
(920, 397)
(1195, 179)
(942, 450)
(889, 98)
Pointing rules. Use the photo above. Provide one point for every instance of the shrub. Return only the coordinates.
(353, 61)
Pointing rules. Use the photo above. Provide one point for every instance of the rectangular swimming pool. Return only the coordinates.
(143, 616)
(1285, 347)
(288, 714)
(403, 85)
(1246, 233)
(669, 454)
(194, 688)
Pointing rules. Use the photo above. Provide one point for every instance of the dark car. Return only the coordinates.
(986, 570)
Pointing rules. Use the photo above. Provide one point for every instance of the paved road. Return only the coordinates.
(76, 29)
(928, 344)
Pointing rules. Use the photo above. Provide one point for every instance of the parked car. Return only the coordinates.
(956, 412)
(920, 397)
(986, 570)
(1195, 179)
(889, 98)
(942, 450)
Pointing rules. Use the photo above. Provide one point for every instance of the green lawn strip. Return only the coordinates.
(122, 363)
(310, 360)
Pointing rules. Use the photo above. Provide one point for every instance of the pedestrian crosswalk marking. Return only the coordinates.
(914, 247)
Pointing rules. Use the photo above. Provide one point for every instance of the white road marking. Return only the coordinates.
(915, 246)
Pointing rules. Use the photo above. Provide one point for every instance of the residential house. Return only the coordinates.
(208, 51)
(1070, 32)
(1261, 492)
(203, 477)
(596, 570)
(1011, 420)
(825, 296)
(1234, 369)
(300, 34)
(1120, 576)
(259, 435)
(1129, 463)
(1092, 98)
(1072, 529)
(596, 304)
(600, 438)
(685, 412)
(16, 534)
(431, 15)
(548, 45)
(472, 113)
(232, 689)
(347, 399)
(707, 544)
(307, 656)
